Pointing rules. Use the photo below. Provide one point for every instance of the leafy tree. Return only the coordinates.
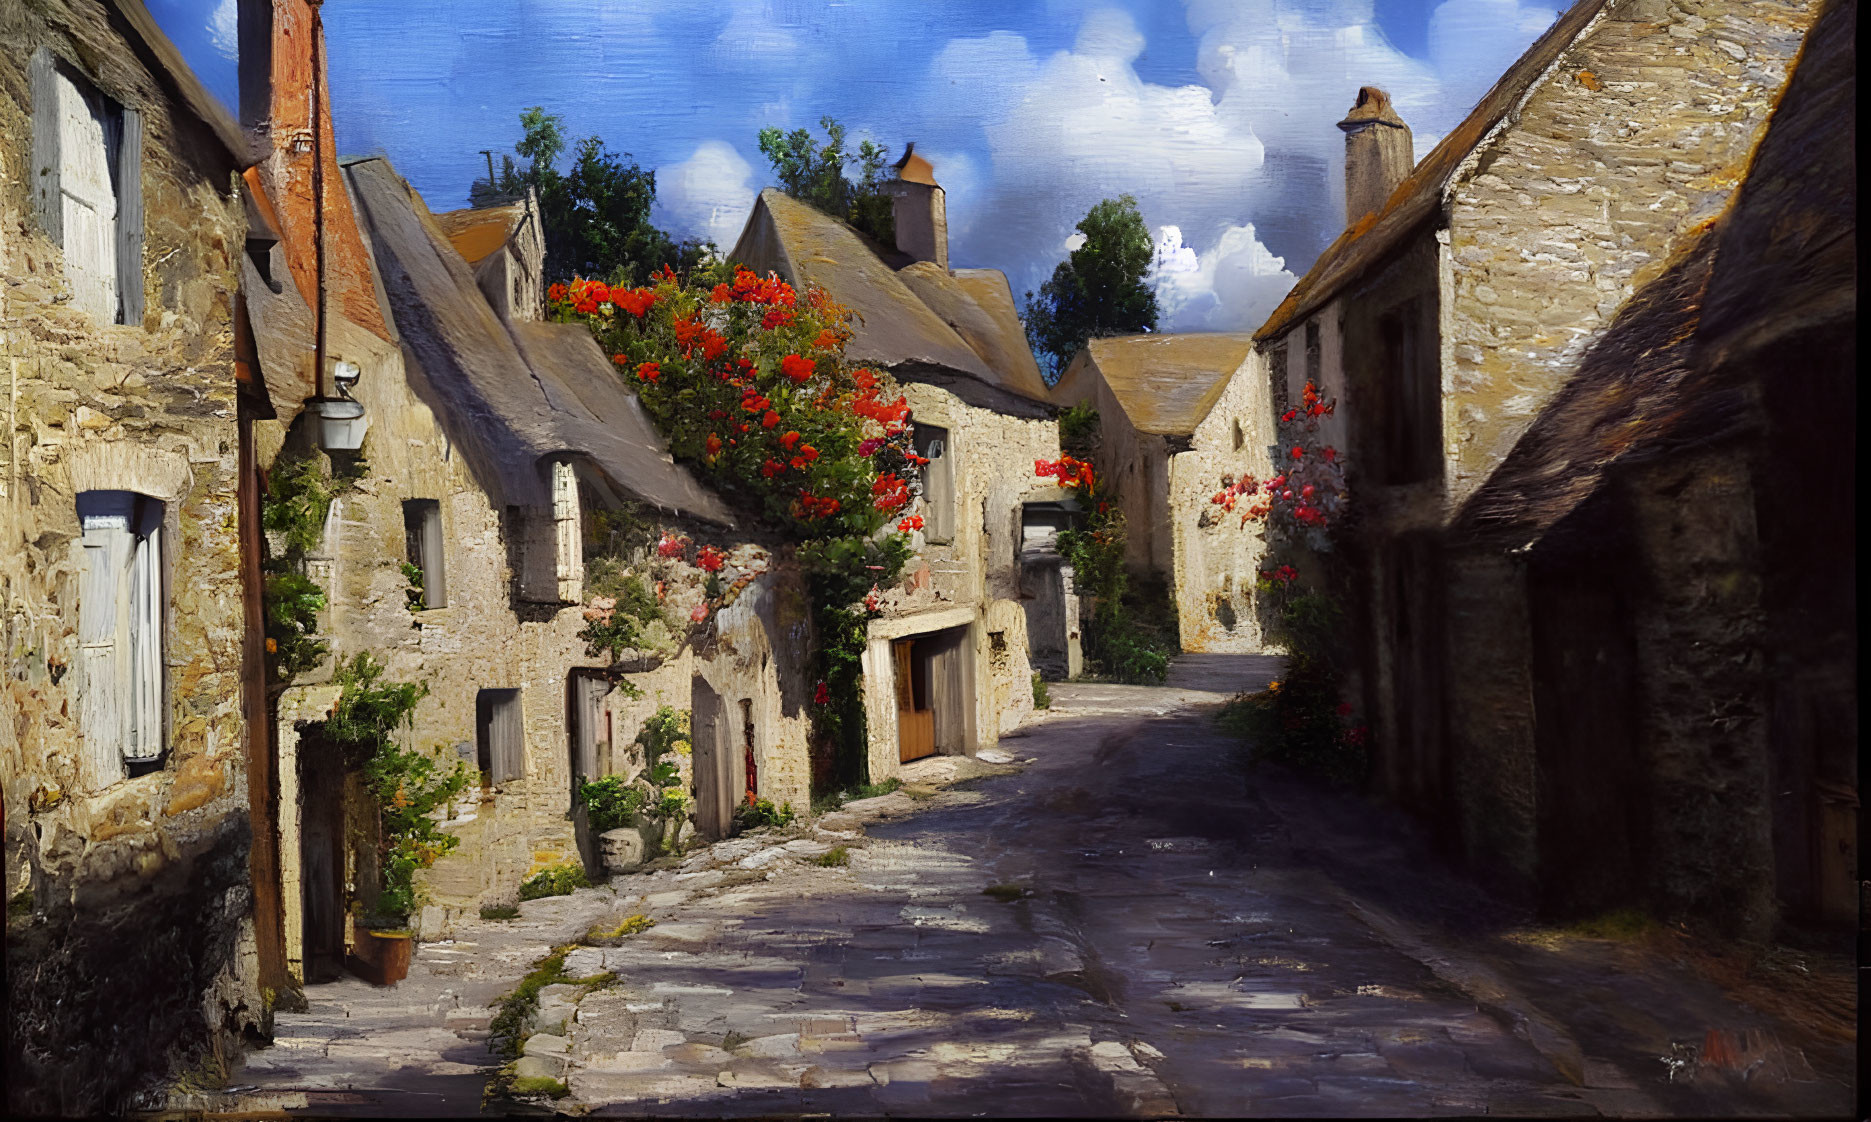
(814, 173)
(1098, 291)
(596, 214)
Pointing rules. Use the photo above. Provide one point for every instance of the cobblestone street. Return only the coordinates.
(1157, 941)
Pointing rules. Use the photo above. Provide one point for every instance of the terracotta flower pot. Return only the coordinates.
(393, 951)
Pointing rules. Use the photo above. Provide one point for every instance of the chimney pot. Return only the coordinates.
(1379, 153)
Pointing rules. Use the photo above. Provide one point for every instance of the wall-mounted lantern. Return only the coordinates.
(341, 420)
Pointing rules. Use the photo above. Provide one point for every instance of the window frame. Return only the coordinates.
(124, 718)
(123, 131)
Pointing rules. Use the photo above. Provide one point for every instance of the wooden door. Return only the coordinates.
(915, 720)
(712, 749)
(321, 849)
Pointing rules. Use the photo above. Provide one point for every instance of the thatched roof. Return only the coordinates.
(1418, 198)
(1166, 384)
(510, 394)
(477, 233)
(956, 331)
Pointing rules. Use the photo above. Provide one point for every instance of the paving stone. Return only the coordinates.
(698, 1054)
(631, 1061)
(545, 1044)
(539, 1067)
(655, 1040)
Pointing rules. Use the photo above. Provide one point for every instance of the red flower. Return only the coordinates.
(771, 468)
(722, 294)
(808, 453)
(1298, 452)
(556, 293)
(797, 368)
(1289, 414)
(636, 301)
(776, 317)
(789, 440)
(827, 340)
(913, 522)
(710, 559)
(713, 445)
(1344, 708)
(1330, 454)
(770, 419)
(621, 360)
(648, 371)
(821, 695)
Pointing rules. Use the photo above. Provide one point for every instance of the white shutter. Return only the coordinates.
(104, 704)
(89, 205)
(145, 635)
(568, 537)
(434, 568)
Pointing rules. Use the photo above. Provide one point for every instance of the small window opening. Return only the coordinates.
(122, 611)
(938, 483)
(500, 737)
(422, 536)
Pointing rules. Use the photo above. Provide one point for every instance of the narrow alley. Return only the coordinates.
(1107, 923)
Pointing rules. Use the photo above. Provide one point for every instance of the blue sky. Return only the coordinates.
(1216, 114)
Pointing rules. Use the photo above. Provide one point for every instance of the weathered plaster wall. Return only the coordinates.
(1635, 139)
(1216, 557)
(973, 580)
(140, 948)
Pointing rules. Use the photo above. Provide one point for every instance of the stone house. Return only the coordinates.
(949, 666)
(125, 708)
(498, 450)
(1603, 599)
(1179, 417)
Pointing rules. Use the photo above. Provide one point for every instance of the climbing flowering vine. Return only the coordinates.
(1306, 495)
(747, 378)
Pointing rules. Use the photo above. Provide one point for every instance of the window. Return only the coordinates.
(500, 737)
(1413, 394)
(89, 190)
(422, 536)
(938, 483)
(1240, 437)
(1313, 356)
(1276, 372)
(568, 534)
(121, 611)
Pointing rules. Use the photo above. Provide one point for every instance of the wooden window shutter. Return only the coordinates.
(129, 168)
(48, 200)
(434, 563)
(938, 483)
(105, 692)
(145, 631)
(568, 536)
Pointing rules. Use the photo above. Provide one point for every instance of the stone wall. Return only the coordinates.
(972, 581)
(1216, 557)
(139, 953)
(1632, 142)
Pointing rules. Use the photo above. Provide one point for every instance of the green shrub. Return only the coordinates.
(837, 857)
(499, 911)
(872, 790)
(1042, 696)
(762, 813)
(560, 880)
(611, 803)
(540, 1085)
(508, 1028)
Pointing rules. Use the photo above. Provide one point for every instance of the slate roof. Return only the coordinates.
(510, 393)
(1166, 384)
(1419, 196)
(958, 331)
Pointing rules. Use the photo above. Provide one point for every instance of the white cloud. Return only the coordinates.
(1233, 287)
(224, 28)
(708, 195)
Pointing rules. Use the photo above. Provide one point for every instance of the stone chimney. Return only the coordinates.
(918, 209)
(1378, 153)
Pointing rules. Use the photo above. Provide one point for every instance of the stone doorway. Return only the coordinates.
(322, 858)
(934, 694)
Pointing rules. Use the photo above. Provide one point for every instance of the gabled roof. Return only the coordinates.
(956, 331)
(1781, 258)
(511, 394)
(1419, 196)
(1166, 384)
(477, 233)
(170, 64)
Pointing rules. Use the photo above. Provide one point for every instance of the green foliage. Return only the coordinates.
(408, 786)
(596, 214)
(540, 1085)
(873, 790)
(837, 857)
(20, 905)
(499, 911)
(412, 595)
(1300, 720)
(560, 880)
(297, 501)
(1042, 695)
(1098, 291)
(1079, 431)
(611, 803)
(815, 174)
(632, 925)
(507, 1031)
(292, 603)
(1005, 893)
(762, 813)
